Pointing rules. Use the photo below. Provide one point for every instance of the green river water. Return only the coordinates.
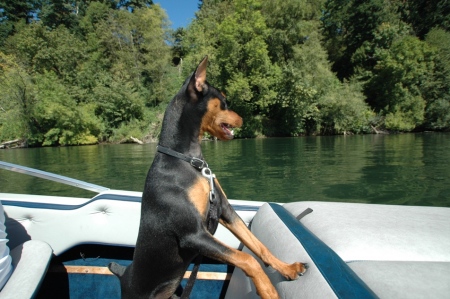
(407, 169)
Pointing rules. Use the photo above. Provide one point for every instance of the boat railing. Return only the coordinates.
(52, 177)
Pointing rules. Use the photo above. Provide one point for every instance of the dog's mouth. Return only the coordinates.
(228, 130)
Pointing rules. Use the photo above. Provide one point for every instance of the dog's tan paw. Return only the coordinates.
(296, 270)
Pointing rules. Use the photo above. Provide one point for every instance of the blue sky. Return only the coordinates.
(180, 12)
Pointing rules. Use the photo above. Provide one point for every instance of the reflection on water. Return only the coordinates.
(409, 169)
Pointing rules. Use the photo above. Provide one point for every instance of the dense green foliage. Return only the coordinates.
(82, 72)
(396, 55)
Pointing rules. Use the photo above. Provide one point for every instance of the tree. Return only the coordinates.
(268, 58)
(289, 24)
(233, 34)
(366, 57)
(344, 111)
(425, 15)
(43, 50)
(12, 14)
(117, 102)
(54, 13)
(348, 25)
(373, 42)
(59, 120)
(178, 50)
(15, 10)
(246, 70)
(437, 87)
(131, 45)
(74, 71)
(91, 83)
(311, 100)
(395, 90)
(131, 5)
(40, 110)
(16, 99)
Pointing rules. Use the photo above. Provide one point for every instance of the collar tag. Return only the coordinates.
(207, 173)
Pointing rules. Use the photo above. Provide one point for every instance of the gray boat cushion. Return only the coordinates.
(5, 258)
(398, 251)
(340, 282)
(409, 280)
(30, 262)
(379, 232)
(273, 233)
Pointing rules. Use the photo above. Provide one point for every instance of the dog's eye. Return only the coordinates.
(223, 104)
(227, 104)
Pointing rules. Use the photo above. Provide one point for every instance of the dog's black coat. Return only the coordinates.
(175, 204)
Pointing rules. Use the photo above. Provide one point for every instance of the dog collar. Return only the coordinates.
(195, 162)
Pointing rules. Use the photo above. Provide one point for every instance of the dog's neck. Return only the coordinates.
(180, 130)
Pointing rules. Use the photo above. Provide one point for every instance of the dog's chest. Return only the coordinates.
(206, 204)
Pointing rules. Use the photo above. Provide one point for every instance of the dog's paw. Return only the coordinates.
(296, 270)
(305, 267)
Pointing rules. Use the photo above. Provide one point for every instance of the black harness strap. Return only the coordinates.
(213, 216)
(213, 221)
(190, 284)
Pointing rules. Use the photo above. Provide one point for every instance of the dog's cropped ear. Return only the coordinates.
(197, 83)
(200, 75)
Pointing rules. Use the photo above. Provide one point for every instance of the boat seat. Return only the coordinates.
(110, 218)
(398, 251)
(30, 261)
(381, 251)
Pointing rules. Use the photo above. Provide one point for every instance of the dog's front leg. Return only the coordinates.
(231, 220)
(210, 247)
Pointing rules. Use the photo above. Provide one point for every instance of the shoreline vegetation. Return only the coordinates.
(94, 72)
(20, 143)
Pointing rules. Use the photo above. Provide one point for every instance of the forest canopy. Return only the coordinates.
(84, 72)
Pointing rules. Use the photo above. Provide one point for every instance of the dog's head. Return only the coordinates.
(216, 118)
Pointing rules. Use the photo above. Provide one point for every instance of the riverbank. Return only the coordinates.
(16, 143)
(22, 143)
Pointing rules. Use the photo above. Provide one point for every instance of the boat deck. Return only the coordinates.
(353, 250)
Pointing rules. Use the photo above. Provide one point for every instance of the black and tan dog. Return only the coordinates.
(182, 202)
